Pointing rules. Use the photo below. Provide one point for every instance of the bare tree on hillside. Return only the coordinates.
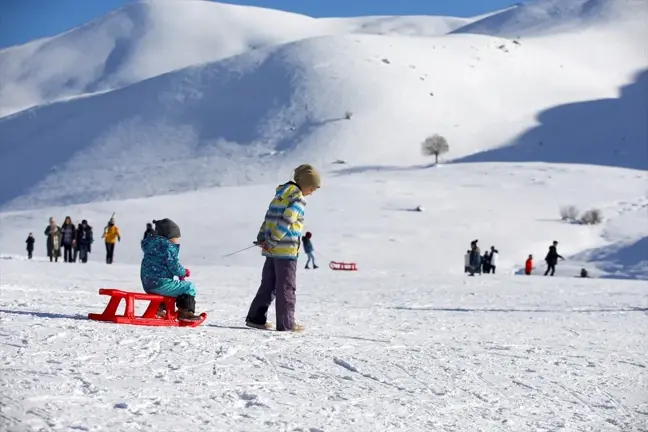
(569, 213)
(592, 217)
(434, 146)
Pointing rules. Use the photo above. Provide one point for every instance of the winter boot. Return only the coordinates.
(315, 267)
(298, 328)
(307, 268)
(266, 326)
(186, 315)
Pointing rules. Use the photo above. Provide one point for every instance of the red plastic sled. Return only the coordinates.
(149, 318)
(334, 265)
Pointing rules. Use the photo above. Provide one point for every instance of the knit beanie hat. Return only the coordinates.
(167, 228)
(306, 176)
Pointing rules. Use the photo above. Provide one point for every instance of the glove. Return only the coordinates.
(187, 273)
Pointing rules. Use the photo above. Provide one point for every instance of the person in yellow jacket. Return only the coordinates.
(111, 236)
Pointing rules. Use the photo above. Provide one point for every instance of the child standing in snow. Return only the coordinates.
(279, 237)
(308, 248)
(159, 266)
(30, 245)
(528, 265)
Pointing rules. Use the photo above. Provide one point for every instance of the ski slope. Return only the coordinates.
(382, 351)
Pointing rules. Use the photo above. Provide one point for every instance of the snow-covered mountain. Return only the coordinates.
(149, 38)
(242, 116)
(545, 17)
(251, 116)
(195, 111)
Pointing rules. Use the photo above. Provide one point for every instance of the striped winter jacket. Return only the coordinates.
(283, 224)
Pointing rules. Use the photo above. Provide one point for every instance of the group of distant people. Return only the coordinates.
(75, 242)
(475, 262)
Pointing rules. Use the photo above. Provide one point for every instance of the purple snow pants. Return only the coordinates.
(278, 278)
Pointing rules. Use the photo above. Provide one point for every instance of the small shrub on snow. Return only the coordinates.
(569, 213)
(348, 115)
(592, 217)
(434, 146)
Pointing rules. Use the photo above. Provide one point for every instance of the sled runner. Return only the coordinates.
(149, 318)
(334, 265)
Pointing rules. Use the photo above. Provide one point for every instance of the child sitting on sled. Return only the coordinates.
(308, 248)
(159, 266)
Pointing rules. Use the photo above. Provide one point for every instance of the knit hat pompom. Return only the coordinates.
(306, 176)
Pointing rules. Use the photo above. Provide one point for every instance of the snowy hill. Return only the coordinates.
(227, 125)
(196, 111)
(365, 214)
(543, 17)
(149, 38)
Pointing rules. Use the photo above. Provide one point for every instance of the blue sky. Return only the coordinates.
(25, 20)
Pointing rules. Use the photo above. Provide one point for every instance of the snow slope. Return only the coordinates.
(546, 17)
(244, 119)
(149, 38)
(364, 214)
(385, 352)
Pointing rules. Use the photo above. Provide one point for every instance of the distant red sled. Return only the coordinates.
(149, 317)
(334, 265)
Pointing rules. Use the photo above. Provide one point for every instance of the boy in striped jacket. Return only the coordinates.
(280, 239)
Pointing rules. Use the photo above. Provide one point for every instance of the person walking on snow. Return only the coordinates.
(84, 240)
(552, 258)
(308, 248)
(494, 253)
(528, 266)
(279, 238)
(485, 262)
(161, 263)
(475, 258)
(68, 233)
(30, 245)
(111, 236)
(53, 233)
(467, 262)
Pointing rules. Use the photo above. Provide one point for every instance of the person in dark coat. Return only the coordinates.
(552, 258)
(68, 238)
(150, 231)
(486, 262)
(75, 250)
(30, 245)
(84, 240)
(475, 258)
(53, 233)
(492, 262)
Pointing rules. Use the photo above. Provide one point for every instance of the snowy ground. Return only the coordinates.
(388, 352)
(365, 214)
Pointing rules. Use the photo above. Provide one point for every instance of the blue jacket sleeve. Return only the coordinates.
(173, 262)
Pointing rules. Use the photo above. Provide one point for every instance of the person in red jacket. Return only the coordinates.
(528, 265)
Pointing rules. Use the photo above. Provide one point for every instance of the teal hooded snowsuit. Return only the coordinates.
(159, 266)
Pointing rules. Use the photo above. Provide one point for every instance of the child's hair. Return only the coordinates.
(309, 235)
